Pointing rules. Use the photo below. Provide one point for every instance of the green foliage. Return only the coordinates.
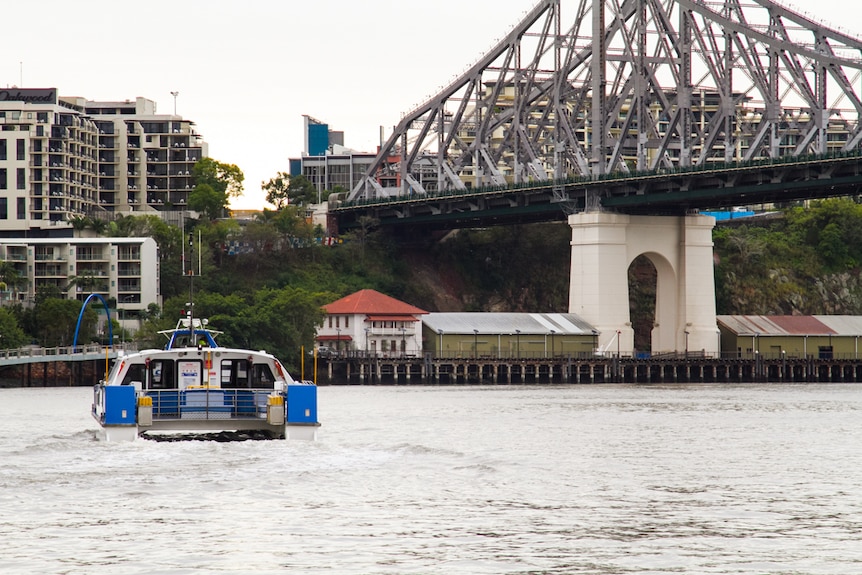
(520, 268)
(223, 178)
(207, 201)
(169, 240)
(806, 261)
(277, 190)
(11, 334)
(215, 184)
(56, 320)
(302, 192)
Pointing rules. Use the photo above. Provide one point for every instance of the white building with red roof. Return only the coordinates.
(370, 322)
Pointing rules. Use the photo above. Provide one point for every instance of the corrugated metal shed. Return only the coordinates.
(843, 324)
(778, 325)
(507, 323)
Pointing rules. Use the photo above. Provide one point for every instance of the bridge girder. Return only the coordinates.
(630, 85)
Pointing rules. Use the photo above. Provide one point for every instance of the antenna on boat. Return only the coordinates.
(191, 305)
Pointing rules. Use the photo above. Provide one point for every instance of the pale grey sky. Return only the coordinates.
(247, 71)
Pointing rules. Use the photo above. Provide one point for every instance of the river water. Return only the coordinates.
(596, 479)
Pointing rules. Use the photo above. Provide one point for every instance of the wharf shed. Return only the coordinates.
(804, 336)
(508, 335)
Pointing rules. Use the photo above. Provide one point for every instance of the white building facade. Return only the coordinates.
(369, 322)
(123, 269)
(62, 158)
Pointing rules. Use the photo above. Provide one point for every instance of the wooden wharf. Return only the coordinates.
(665, 369)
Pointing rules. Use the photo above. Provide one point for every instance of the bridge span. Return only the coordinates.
(63, 365)
(625, 118)
(676, 191)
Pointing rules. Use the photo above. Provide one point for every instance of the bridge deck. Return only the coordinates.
(675, 192)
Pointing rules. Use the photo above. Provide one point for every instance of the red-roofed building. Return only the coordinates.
(372, 322)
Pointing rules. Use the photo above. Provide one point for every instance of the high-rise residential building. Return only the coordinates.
(123, 269)
(65, 157)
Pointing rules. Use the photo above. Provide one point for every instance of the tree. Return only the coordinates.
(208, 201)
(302, 192)
(215, 184)
(11, 334)
(11, 279)
(277, 190)
(57, 319)
(224, 178)
(168, 238)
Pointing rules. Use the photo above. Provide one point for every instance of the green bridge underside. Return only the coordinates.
(671, 192)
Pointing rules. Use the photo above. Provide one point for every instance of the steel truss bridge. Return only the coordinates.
(647, 106)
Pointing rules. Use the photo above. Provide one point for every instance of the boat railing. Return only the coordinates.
(209, 403)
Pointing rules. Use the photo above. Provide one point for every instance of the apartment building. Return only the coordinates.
(122, 269)
(63, 157)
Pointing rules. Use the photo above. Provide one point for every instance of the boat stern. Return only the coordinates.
(115, 408)
(302, 420)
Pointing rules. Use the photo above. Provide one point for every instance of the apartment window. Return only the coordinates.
(22, 179)
(2, 149)
(4, 209)
(22, 209)
(19, 149)
(3, 178)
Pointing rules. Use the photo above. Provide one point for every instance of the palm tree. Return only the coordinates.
(11, 279)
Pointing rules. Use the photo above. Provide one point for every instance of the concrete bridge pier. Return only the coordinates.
(604, 245)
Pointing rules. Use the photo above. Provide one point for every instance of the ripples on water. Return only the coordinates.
(514, 480)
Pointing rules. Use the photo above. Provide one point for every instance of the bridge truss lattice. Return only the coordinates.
(630, 85)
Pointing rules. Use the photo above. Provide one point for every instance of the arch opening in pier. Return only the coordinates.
(642, 293)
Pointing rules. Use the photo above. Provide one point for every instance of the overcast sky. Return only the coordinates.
(247, 71)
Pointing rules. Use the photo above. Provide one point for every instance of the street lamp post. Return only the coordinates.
(475, 343)
(553, 351)
(338, 341)
(518, 343)
(366, 341)
(440, 349)
(175, 94)
(686, 343)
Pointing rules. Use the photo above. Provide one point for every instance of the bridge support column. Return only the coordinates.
(680, 247)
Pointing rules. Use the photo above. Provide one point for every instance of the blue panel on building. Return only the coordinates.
(318, 139)
(295, 167)
(120, 405)
(302, 404)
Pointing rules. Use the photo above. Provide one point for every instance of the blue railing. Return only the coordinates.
(209, 403)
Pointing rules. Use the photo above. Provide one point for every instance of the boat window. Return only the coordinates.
(262, 376)
(162, 374)
(234, 373)
(136, 372)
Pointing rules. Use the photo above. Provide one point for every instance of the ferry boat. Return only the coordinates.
(194, 385)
